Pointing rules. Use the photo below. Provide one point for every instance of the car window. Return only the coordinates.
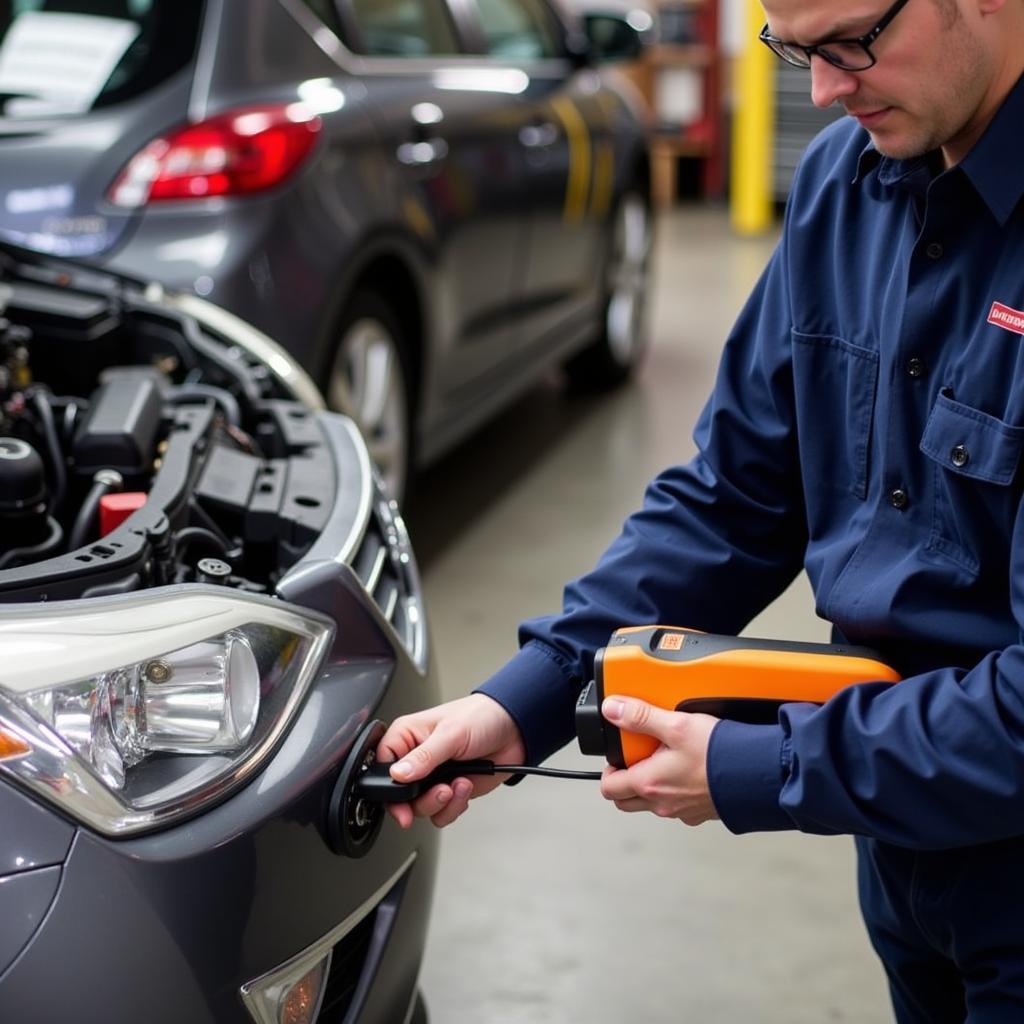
(404, 28)
(518, 29)
(70, 56)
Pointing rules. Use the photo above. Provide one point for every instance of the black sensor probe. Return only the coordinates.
(376, 785)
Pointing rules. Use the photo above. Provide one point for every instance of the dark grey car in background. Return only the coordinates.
(428, 202)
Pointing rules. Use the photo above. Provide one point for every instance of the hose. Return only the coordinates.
(60, 477)
(227, 401)
(33, 551)
(198, 533)
(198, 512)
(103, 482)
(73, 408)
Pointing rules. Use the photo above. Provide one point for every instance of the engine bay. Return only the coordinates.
(138, 448)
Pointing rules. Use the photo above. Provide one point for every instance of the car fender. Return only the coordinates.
(362, 267)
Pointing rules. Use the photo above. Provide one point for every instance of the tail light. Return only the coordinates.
(236, 153)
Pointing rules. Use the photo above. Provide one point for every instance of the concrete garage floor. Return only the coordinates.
(552, 907)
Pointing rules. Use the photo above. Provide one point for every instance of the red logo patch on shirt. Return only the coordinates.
(1007, 318)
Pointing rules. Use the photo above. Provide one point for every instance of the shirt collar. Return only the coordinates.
(994, 164)
(1000, 147)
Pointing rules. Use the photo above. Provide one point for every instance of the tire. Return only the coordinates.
(622, 341)
(368, 381)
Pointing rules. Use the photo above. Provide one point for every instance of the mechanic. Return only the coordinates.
(866, 424)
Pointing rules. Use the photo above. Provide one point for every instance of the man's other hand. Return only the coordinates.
(673, 781)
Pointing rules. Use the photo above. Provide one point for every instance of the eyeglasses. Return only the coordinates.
(847, 54)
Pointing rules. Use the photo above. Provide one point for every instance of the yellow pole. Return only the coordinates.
(753, 126)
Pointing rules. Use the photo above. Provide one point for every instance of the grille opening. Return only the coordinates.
(381, 565)
(347, 960)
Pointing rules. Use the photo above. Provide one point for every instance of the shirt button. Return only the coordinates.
(898, 499)
(960, 456)
(934, 250)
(915, 367)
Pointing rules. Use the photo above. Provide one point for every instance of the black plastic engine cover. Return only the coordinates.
(119, 431)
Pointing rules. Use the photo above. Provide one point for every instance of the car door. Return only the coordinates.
(569, 169)
(452, 123)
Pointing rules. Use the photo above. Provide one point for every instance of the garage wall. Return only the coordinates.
(797, 121)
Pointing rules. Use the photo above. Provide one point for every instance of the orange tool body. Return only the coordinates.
(741, 678)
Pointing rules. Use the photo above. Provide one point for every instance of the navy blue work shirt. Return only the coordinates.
(867, 424)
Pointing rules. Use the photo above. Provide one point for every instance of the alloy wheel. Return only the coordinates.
(367, 383)
(627, 279)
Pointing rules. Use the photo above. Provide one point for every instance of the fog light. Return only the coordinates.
(302, 1001)
(292, 994)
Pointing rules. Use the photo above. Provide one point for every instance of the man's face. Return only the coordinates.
(928, 87)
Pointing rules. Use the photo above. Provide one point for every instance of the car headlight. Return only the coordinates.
(128, 713)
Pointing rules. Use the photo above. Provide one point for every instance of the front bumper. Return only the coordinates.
(169, 927)
(177, 925)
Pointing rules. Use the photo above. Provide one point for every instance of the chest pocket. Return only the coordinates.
(832, 375)
(975, 458)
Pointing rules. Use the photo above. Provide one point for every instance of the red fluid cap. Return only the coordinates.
(116, 508)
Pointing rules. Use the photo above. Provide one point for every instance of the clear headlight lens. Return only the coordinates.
(203, 698)
(128, 713)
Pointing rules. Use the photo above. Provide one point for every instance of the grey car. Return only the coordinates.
(208, 609)
(429, 203)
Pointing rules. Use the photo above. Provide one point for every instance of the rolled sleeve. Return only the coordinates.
(539, 691)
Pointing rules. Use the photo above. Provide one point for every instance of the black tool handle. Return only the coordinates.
(376, 784)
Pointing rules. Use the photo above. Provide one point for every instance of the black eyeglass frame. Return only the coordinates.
(783, 49)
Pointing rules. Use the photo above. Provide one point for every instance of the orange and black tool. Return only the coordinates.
(726, 676)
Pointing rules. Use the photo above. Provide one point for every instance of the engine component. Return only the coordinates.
(22, 501)
(22, 480)
(212, 570)
(120, 428)
(14, 372)
(140, 448)
(116, 508)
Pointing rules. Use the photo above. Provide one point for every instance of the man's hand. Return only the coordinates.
(465, 729)
(673, 781)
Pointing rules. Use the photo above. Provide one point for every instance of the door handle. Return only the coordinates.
(539, 135)
(422, 153)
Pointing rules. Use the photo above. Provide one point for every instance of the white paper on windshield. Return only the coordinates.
(680, 95)
(60, 62)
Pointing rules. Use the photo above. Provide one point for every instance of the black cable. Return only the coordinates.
(200, 392)
(190, 534)
(68, 423)
(105, 481)
(208, 347)
(553, 773)
(68, 409)
(34, 551)
(209, 523)
(45, 411)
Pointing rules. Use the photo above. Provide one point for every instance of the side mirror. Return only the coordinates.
(617, 37)
(579, 48)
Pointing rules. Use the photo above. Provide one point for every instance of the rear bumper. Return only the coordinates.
(262, 259)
